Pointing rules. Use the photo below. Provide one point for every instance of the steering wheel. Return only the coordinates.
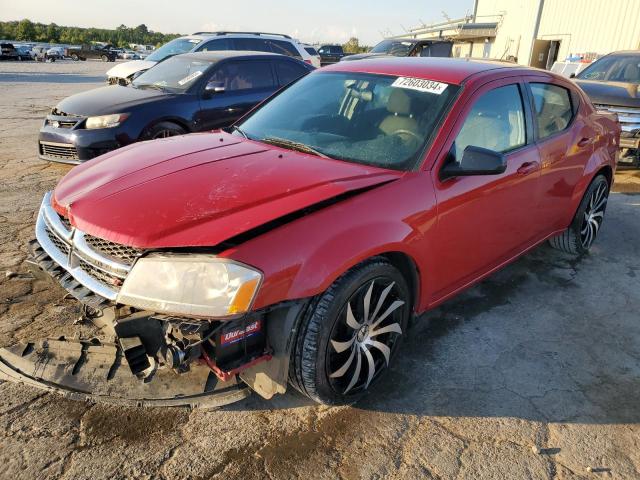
(408, 133)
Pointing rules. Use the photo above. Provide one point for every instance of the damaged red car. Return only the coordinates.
(295, 248)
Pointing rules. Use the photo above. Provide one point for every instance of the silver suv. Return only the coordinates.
(123, 73)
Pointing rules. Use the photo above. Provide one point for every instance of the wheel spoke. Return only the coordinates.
(372, 367)
(386, 351)
(600, 204)
(383, 297)
(367, 302)
(393, 328)
(596, 225)
(342, 346)
(394, 306)
(356, 373)
(343, 369)
(351, 320)
(598, 215)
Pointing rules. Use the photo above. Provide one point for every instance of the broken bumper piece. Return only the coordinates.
(89, 370)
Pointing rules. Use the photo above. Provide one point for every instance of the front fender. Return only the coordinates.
(302, 258)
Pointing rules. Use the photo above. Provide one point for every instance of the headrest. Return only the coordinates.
(399, 102)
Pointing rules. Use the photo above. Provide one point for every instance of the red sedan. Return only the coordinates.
(296, 247)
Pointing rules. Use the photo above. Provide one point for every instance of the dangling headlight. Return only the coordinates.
(190, 285)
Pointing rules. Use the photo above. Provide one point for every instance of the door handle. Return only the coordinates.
(583, 142)
(527, 168)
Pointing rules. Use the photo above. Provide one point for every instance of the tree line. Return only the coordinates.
(28, 31)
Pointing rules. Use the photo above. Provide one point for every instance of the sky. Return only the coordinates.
(317, 21)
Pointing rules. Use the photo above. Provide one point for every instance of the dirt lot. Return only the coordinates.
(545, 353)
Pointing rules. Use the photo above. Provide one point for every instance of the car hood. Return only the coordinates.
(126, 69)
(200, 189)
(611, 93)
(111, 99)
(361, 56)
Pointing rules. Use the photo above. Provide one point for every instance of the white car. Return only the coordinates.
(313, 53)
(123, 73)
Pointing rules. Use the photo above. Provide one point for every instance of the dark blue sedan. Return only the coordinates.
(187, 93)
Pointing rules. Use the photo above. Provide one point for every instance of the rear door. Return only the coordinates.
(288, 71)
(565, 141)
(245, 83)
(486, 220)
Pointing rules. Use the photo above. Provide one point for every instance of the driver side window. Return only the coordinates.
(496, 122)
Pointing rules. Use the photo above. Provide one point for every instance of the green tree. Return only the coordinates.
(53, 33)
(25, 30)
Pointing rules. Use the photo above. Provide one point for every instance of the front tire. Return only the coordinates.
(582, 233)
(351, 333)
(163, 130)
(104, 58)
(75, 57)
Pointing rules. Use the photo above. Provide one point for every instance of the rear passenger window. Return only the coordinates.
(251, 44)
(495, 122)
(244, 76)
(284, 48)
(216, 45)
(288, 71)
(553, 108)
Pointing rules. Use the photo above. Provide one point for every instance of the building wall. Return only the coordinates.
(516, 27)
(591, 25)
(581, 26)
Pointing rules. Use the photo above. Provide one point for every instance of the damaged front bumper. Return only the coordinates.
(88, 370)
(135, 364)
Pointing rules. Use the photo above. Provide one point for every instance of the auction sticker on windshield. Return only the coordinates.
(420, 85)
(190, 77)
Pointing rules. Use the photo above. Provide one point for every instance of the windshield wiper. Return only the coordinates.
(239, 130)
(291, 145)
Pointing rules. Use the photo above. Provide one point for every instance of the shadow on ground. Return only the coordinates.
(550, 338)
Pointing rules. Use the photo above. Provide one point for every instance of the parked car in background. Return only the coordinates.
(185, 93)
(331, 54)
(407, 47)
(24, 52)
(612, 83)
(298, 248)
(44, 53)
(314, 55)
(8, 52)
(130, 55)
(211, 41)
(93, 52)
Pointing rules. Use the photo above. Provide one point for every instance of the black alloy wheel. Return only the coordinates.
(350, 334)
(587, 222)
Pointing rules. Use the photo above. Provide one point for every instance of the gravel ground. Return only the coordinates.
(545, 353)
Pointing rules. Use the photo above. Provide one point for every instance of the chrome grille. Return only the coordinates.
(115, 251)
(105, 278)
(67, 224)
(61, 123)
(99, 265)
(58, 150)
(57, 241)
(628, 117)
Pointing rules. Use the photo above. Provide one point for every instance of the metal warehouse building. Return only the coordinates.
(538, 32)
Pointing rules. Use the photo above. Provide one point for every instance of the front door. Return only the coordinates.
(244, 84)
(485, 220)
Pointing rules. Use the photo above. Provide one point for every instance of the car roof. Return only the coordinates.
(217, 56)
(447, 70)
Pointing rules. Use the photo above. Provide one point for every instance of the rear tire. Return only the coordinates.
(350, 333)
(581, 234)
(163, 130)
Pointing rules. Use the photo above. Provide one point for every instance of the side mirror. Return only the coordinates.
(573, 75)
(475, 161)
(214, 87)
